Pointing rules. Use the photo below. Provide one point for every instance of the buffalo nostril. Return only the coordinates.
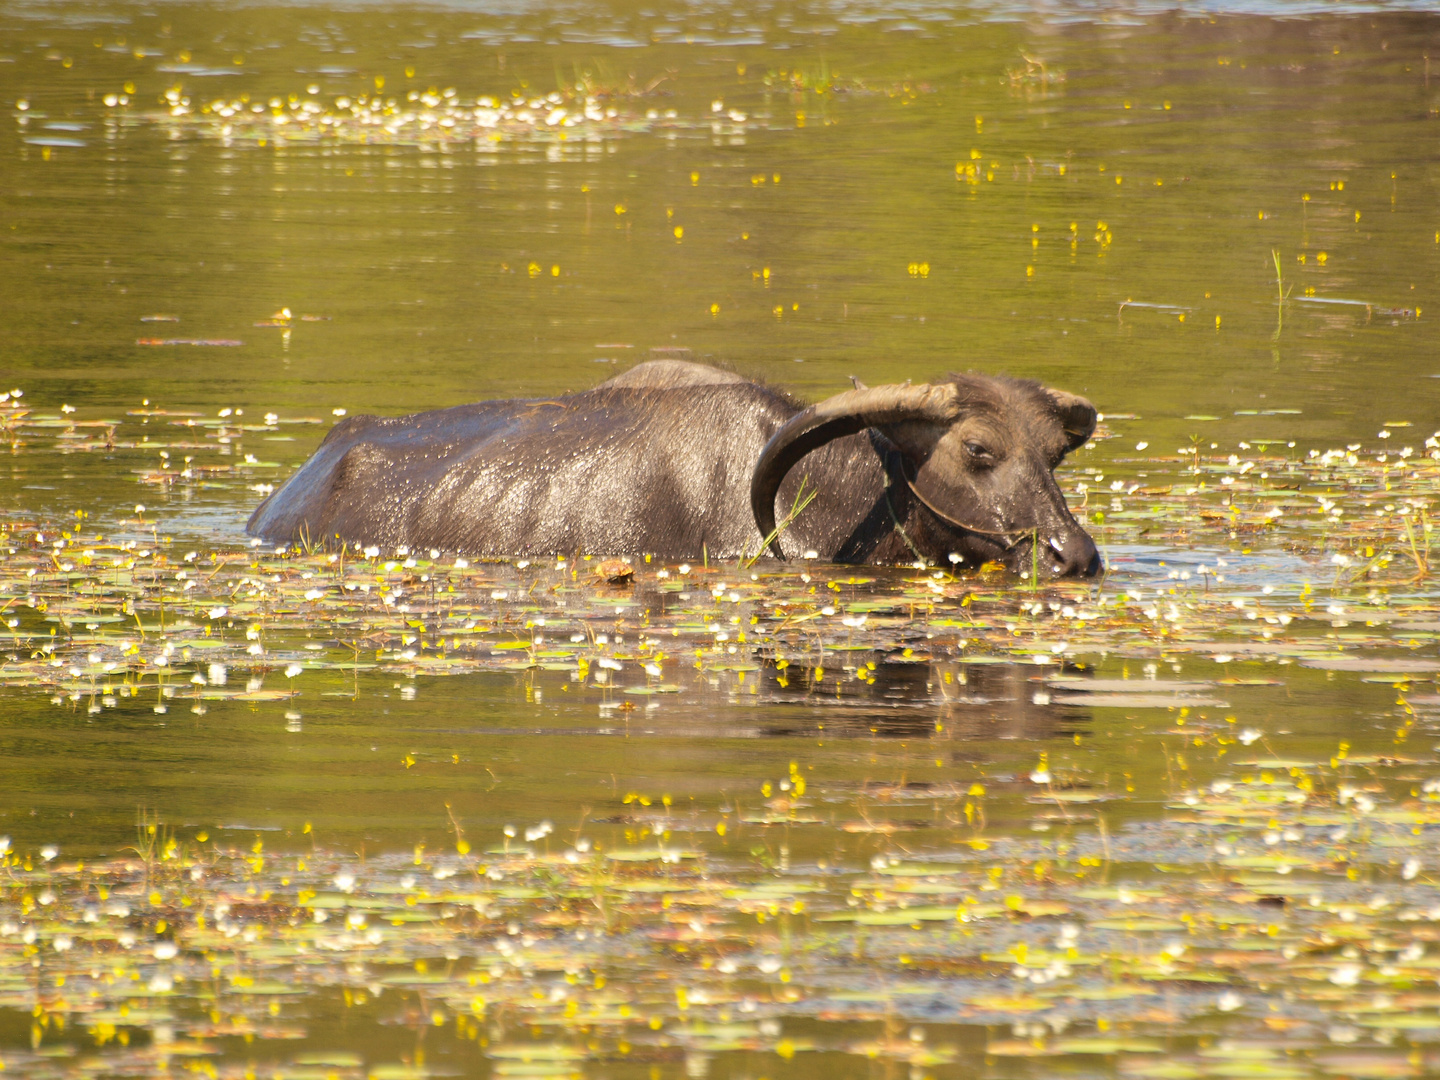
(1078, 558)
(1086, 563)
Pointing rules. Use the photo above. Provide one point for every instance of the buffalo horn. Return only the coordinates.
(834, 418)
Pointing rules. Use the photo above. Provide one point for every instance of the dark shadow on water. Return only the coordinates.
(909, 700)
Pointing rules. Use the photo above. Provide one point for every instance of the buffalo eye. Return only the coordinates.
(979, 452)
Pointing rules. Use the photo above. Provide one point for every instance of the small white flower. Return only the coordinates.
(1229, 1001)
(1346, 975)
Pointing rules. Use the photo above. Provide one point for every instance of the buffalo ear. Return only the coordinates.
(1077, 417)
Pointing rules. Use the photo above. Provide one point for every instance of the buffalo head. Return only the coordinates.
(977, 454)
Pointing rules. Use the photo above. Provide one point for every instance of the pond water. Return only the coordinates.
(396, 814)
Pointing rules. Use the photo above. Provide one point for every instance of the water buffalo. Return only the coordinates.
(683, 460)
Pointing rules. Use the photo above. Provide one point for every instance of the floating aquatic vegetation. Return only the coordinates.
(585, 111)
(1285, 901)
(424, 119)
(444, 117)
